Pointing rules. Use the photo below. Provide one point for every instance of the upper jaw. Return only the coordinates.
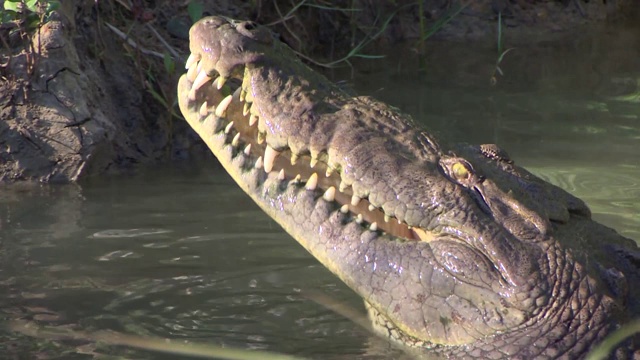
(218, 57)
(223, 54)
(284, 139)
(232, 113)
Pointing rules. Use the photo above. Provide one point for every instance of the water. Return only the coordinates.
(180, 252)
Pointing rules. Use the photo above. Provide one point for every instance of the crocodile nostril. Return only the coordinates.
(249, 25)
(213, 21)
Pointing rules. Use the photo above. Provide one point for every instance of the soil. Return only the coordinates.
(78, 100)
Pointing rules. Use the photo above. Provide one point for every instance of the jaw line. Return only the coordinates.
(234, 134)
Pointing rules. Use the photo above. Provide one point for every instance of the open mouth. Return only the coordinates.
(226, 106)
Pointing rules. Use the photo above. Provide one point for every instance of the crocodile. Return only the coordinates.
(456, 251)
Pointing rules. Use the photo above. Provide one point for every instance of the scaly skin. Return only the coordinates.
(454, 249)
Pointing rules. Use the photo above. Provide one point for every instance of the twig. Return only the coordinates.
(133, 43)
(124, 4)
(289, 14)
(164, 42)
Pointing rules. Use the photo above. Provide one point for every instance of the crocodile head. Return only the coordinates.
(455, 249)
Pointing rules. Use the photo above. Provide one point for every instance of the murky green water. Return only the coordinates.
(179, 252)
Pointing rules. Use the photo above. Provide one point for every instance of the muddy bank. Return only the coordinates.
(81, 101)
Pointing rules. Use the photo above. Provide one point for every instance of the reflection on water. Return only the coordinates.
(180, 252)
(174, 252)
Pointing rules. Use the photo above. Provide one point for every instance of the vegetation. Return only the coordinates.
(501, 53)
(158, 345)
(606, 347)
(20, 21)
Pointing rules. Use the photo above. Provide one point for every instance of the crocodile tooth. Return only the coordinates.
(220, 82)
(221, 109)
(246, 78)
(261, 137)
(247, 149)
(192, 59)
(199, 67)
(245, 109)
(359, 219)
(343, 186)
(328, 172)
(312, 182)
(192, 94)
(294, 158)
(243, 94)
(211, 124)
(236, 94)
(355, 200)
(248, 97)
(371, 207)
(262, 125)
(344, 209)
(192, 73)
(270, 156)
(387, 218)
(253, 109)
(204, 110)
(330, 194)
(236, 140)
(228, 128)
(258, 164)
(374, 226)
(281, 175)
(314, 158)
(200, 80)
(252, 120)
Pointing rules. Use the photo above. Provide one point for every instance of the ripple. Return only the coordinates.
(119, 254)
(616, 185)
(128, 233)
(612, 192)
(186, 259)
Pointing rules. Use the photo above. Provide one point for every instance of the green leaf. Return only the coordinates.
(195, 9)
(503, 54)
(52, 6)
(442, 21)
(605, 348)
(33, 22)
(7, 16)
(32, 5)
(158, 97)
(499, 32)
(13, 5)
(169, 64)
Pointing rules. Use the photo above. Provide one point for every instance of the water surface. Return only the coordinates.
(180, 252)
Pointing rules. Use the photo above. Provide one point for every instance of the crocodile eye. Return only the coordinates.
(460, 171)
